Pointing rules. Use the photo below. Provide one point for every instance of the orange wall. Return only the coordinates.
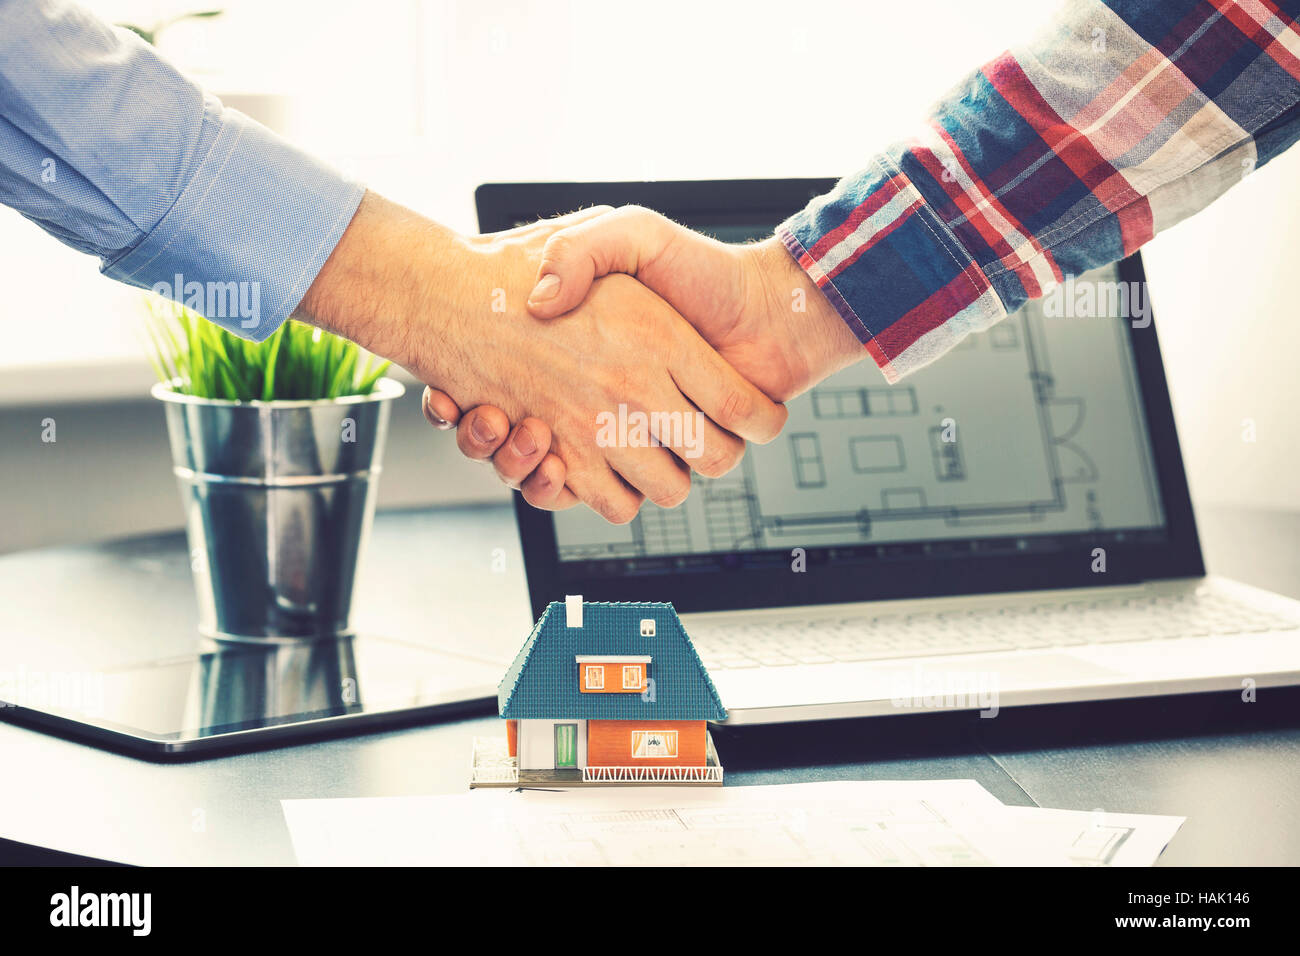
(512, 737)
(609, 743)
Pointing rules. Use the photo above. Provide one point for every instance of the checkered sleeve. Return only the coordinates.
(1120, 120)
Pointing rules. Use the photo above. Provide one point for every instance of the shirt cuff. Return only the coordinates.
(249, 232)
(892, 269)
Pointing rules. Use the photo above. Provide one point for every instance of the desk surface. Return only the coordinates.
(1232, 769)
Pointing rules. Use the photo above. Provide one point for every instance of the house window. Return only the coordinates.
(612, 673)
(654, 743)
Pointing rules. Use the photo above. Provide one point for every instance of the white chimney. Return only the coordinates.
(573, 610)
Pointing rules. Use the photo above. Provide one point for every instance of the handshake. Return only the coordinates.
(600, 357)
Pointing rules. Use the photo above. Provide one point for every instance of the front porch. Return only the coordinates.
(492, 766)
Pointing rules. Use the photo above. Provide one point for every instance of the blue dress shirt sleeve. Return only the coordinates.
(107, 147)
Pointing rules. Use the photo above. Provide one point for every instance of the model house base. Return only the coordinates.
(493, 766)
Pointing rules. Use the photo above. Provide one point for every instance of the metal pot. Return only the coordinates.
(279, 498)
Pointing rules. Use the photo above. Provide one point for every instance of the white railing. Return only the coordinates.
(711, 774)
(496, 775)
(492, 763)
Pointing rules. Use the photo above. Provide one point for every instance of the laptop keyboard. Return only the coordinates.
(790, 641)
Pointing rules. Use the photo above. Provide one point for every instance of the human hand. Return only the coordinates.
(451, 310)
(753, 303)
(521, 453)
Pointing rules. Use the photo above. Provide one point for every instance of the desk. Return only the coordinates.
(1233, 769)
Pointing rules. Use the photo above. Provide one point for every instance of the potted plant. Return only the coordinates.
(277, 449)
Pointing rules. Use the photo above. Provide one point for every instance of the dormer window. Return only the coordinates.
(612, 674)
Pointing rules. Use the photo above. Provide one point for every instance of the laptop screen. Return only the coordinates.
(1024, 436)
(1038, 454)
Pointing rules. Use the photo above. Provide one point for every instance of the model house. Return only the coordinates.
(605, 693)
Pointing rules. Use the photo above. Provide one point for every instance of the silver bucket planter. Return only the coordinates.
(279, 498)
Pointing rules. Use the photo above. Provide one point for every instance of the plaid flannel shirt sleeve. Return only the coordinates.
(1122, 119)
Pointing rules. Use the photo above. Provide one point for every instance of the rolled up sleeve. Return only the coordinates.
(1119, 121)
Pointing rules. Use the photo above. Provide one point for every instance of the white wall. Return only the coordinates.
(537, 743)
(1223, 288)
(437, 97)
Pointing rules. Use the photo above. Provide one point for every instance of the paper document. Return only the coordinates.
(1096, 838)
(860, 823)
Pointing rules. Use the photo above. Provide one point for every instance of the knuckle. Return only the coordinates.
(719, 458)
(633, 211)
(619, 510)
(735, 409)
(623, 513)
(673, 495)
(559, 247)
(599, 504)
(611, 386)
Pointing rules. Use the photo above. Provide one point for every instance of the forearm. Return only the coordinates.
(1123, 119)
(825, 342)
(389, 266)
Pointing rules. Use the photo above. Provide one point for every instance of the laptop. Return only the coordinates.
(1008, 526)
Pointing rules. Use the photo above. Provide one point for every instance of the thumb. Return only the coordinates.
(626, 240)
(439, 408)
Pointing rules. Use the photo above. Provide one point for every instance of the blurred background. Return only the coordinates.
(425, 99)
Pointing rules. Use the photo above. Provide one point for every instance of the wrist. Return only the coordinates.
(819, 340)
(388, 284)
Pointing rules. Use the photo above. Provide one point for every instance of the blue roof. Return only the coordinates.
(543, 680)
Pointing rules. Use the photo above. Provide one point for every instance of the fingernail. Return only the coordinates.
(481, 431)
(547, 289)
(434, 419)
(523, 443)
